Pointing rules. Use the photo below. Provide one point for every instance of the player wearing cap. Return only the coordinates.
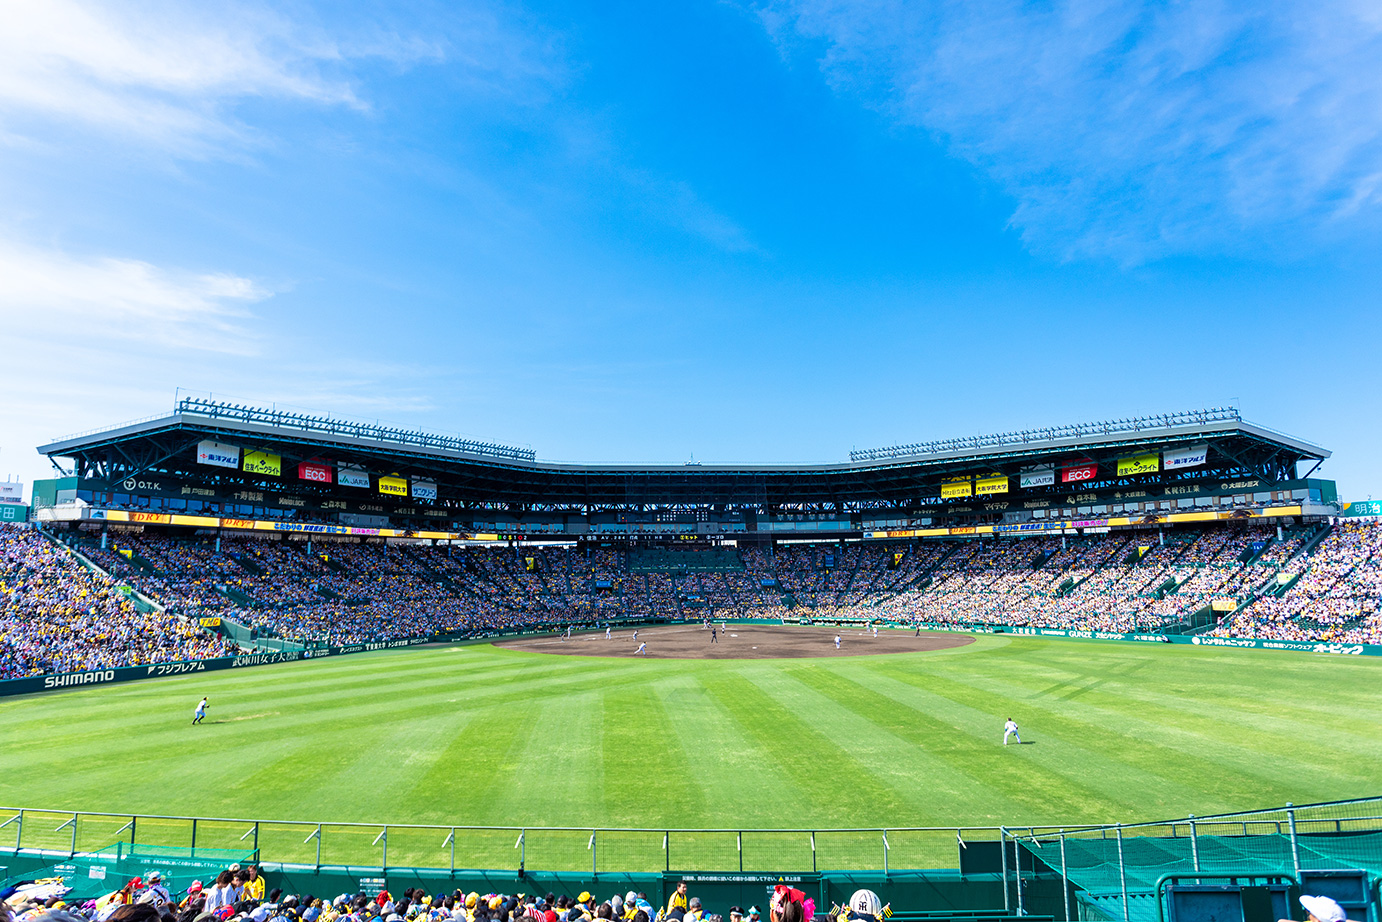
(200, 713)
(1322, 909)
(642, 649)
(1010, 729)
(837, 641)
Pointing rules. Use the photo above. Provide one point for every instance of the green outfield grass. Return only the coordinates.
(481, 736)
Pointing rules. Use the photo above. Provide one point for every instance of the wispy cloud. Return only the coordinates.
(171, 75)
(1128, 130)
(51, 297)
(676, 204)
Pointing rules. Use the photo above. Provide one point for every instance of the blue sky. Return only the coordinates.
(732, 231)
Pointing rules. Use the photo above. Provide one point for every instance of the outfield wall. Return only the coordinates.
(45, 683)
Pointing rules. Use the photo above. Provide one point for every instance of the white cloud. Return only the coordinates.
(1130, 130)
(51, 297)
(171, 74)
(156, 73)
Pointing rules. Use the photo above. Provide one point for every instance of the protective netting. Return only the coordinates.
(94, 874)
(1093, 864)
(1103, 863)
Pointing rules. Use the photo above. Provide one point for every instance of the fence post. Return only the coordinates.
(1003, 854)
(194, 837)
(1017, 873)
(384, 857)
(740, 843)
(1295, 842)
(813, 853)
(19, 831)
(1064, 878)
(667, 849)
(1194, 844)
(453, 830)
(1123, 875)
(594, 867)
(256, 840)
(885, 853)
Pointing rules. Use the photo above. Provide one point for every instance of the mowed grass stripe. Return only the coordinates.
(950, 764)
(1017, 781)
(1147, 728)
(643, 785)
(1122, 699)
(565, 744)
(730, 775)
(1081, 775)
(832, 779)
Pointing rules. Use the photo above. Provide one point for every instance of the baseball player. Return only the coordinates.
(1010, 729)
(200, 713)
(643, 651)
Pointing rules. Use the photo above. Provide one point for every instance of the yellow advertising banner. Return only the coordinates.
(200, 521)
(262, 462)
(211, 622)
(1139, 464)
(393, 486)
(988, 485)
(956, 488)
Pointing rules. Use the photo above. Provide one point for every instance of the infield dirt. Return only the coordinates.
(739, 641)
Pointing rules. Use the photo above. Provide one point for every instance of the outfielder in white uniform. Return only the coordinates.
(643, 650)
(837, 641)
(1010, 729)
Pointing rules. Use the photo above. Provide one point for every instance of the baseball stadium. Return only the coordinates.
(1120, 671)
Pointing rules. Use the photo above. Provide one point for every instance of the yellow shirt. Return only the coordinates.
(254, 889)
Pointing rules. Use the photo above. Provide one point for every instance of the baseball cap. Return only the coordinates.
(1323, 908)
(584, 897)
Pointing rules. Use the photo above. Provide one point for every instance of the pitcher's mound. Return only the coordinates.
(740, 641)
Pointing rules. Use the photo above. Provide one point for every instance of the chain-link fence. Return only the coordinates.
(1112, 872)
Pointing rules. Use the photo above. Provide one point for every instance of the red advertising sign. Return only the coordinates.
(314, 471)
(1078, 473)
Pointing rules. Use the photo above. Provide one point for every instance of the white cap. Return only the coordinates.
(1323, 908)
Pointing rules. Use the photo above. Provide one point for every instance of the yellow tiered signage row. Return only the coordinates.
(1055, 525)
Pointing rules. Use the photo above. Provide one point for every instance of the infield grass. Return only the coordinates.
(475, 735)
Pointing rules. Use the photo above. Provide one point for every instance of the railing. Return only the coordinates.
(1119, 865)
(330, 426)
(1052, 433)
(499, 847)
(321, 424)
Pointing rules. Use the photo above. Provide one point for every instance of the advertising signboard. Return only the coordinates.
(218, 454)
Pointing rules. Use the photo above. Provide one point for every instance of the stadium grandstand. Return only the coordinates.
(221, 535)
(222, 529)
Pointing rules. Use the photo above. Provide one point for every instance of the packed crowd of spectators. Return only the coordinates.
(245, 895)
(1329, 597)
(59, 615)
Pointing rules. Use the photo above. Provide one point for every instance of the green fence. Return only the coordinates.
(96, 873)
(1112, 872)
(499, 847)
